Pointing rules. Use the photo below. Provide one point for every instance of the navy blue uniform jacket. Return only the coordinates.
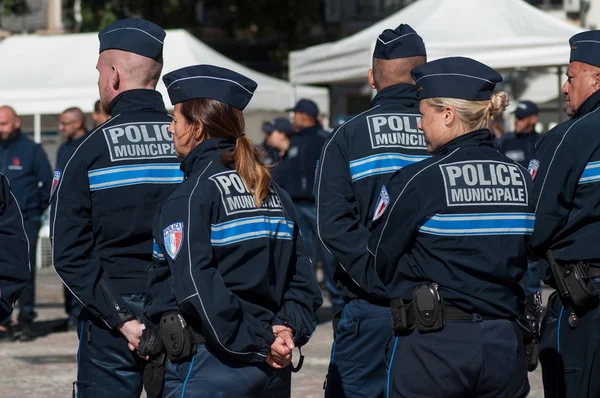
(26, 166)
(460, 219)
(15, 270)
(295, 172)
(566, 175)
(233, 270)
(358, 158)
(67, 147)
(105, 198)
(519, 147)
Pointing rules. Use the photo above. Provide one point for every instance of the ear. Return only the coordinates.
(449, 116)
(116, 77)
(18, 122)
(372, 79)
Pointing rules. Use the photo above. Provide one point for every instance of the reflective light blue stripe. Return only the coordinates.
(387, 392)
(156, 252)
(112, 177)
(251, 228)
(188, 376)
(381, 164)
(479, 224)
(591, 173)
(562, 308)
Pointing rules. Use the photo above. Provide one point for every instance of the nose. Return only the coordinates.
(419, 125)
(565, 88)
(171, 128)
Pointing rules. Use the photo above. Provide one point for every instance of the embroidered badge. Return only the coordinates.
(173, 237)
(55, 181)
(382, 203)
(534, 165)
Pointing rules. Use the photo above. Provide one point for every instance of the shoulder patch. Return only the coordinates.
(382, 203)
(173, 239)
(55, 181)
(534, 165)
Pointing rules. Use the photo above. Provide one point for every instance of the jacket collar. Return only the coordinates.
(204, 153)
(481, 137)
(404, 93)
(137, 100)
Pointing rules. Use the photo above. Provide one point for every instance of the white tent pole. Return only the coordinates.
(37, 128)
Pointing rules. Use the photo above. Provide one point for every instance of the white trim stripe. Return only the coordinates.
(209, 77)
(385, 43)
(132, 28)
(454, 74)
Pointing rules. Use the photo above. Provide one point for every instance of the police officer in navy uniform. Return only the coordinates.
(295, 173)
(450, 243)
(26, 166)
(104, 199)
(279, 132)
(358, 158)
(229, 259)
(15, 270)
(566, 181)
(519, 145)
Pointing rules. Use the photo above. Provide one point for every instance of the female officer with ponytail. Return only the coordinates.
(231, 291)
(450, 244)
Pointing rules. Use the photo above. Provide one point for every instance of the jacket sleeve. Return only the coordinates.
(201, 292)
(44, 176)
(339, 224)
(392, 233)
(555, 183)
(73, 243)
(15, 270)
(302, 297)
(159, 298)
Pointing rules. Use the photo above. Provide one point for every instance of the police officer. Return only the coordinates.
(279, 132)
(15, 270)
(103, 202)
(451, 244)
(356, 160)
(295, 173)
(233, 263)
(519, 145)
(26, 166)
(567, 193)
(72, 127)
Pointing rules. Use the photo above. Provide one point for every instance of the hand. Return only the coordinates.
(132, 330)
(277, 364)
(280, 355)
(286, 333)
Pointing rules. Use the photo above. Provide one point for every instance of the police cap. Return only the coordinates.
(306, 106)
(208, 81)
(280, 124)
(402, 42)
(526, 108)
(134, 35)
(455, 77)
(585, 47)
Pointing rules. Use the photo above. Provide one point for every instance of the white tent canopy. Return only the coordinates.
(503, 34)
(47, 74)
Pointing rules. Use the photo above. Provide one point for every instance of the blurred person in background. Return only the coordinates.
(295, 173)
(26, 166)
(99, 114)
(519, 145)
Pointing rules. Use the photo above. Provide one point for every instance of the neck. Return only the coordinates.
(78, 134)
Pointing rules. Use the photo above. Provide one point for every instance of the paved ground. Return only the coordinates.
(47, 367)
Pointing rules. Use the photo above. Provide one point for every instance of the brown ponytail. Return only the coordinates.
(220, 120)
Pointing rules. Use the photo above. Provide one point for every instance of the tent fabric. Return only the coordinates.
(503, 34)
(47, 74)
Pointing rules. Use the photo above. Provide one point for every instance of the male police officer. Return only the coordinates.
(567, 191)
(103, 203)
(520, 144)
(358, 158)
(296, 174)
(15, 270)
(26, 166)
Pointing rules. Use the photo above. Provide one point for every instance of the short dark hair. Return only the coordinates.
(394, 71)
(98, 107)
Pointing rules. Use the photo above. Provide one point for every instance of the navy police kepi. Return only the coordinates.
(585, 47)
(455, 77)
(133, 35)
(208, 81)
(402, 42)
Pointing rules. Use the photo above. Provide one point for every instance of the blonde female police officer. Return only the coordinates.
(455, 276)
(234, 267)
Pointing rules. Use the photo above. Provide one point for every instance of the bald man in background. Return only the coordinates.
(26, 166)
(72, 128)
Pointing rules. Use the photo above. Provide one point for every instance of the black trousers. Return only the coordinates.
(105, 366)
(27, 298)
